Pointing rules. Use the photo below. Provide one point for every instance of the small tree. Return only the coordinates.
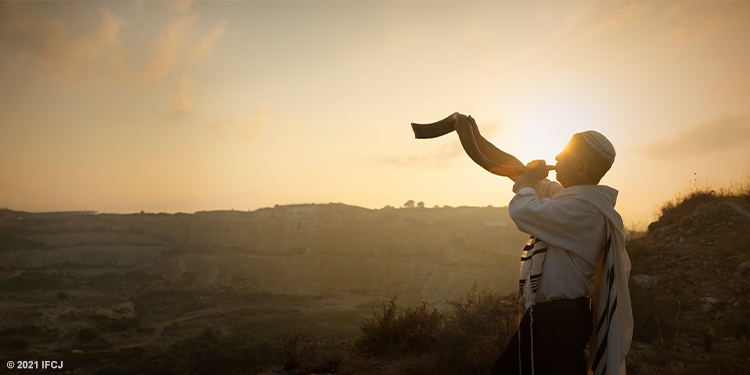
(420, 205)
(409, 204)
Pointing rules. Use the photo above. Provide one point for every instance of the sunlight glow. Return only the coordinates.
(553, 116)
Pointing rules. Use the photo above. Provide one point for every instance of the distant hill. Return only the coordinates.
(417, 253)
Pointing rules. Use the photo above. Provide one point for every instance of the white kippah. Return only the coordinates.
(600, 144)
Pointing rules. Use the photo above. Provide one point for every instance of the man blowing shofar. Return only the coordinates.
(575, 261)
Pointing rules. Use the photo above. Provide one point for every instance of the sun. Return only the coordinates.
(550, 119)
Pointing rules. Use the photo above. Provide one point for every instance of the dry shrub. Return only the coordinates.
(302, 354)
(408, 332)
(477, 330)
(466, 339)
(696, 194)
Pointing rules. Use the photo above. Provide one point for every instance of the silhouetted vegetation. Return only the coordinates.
(123, 324)
(116, 277)
(411, 331)
(17, 343)
(15, 238)
(29, 280)
(87, 335)
(207, 353)
(304, 354)
(466, 338)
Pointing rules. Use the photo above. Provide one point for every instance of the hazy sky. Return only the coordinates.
(177, 106)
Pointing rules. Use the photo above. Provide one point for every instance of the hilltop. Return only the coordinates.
(690, 287)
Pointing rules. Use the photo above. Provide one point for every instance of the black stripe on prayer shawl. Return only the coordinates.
(528, 255)
(530, 243)
(540, 251)
(607, 314)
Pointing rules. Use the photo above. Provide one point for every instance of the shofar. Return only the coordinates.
(493, 159)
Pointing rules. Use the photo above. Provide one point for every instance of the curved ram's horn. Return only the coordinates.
(436, 129)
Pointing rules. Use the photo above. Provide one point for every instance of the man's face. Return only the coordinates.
(568, 165)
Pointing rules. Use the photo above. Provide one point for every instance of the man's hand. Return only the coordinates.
(534, 172)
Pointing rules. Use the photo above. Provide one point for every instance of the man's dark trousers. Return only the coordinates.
(561, 331)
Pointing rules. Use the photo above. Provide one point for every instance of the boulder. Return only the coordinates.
(644, 281)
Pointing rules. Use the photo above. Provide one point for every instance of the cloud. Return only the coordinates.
(201, 50)
(699, 27)
(735, 87)
(621, 16)
(721, 133)
(76, 40)
(690, 26)
(181, 107)
(221, 124)
(260, 118)
(167, 48)
(251, 126)
(183, 5)
(441, 156)
(50, 40)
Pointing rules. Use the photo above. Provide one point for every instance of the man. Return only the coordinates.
(572, 224)
(575, 258)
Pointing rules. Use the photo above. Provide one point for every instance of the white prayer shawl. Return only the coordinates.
(532, 262)
(613, 317)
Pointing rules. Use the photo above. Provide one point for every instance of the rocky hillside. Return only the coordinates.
(690, 287)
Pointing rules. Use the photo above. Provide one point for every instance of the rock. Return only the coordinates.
(743, 267)
(644, 281)
(641, 345)
(710, 300)
(121, 310)
(736, 303)
(710, 303)
(718, 316)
